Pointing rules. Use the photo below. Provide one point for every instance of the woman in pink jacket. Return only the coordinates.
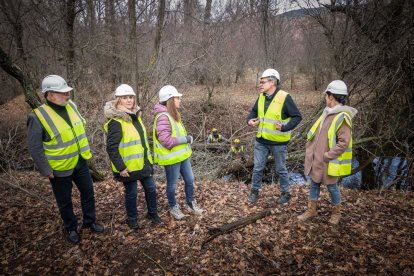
(329, 150)
(172, 149)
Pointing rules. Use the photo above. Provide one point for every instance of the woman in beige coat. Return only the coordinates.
(329, 149)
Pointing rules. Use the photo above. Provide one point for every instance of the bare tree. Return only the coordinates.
(24, 79)
(70, 49)
(372, 49)
(13, 13)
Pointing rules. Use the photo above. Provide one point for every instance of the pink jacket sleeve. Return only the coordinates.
(163, 129)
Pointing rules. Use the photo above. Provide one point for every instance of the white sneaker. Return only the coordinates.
(195, 209)
(176, 212)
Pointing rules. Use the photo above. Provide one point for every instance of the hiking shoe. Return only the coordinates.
(133, 223)
(254, 196)
(194, 208)
(176, 212)
(284, 198)
(154, 218)
(72, 236)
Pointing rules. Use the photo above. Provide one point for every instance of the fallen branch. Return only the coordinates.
(163, 270)
(26, 191)
(227, 228)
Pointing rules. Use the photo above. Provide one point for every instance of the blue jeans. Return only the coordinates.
(261, 152)
(62, 189)
(315, 190)
(131, 194)
(173, 172)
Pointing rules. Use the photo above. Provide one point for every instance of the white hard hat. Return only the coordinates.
(167, 92)
(270, 73)
(337, 87)
(124, 90)
(55, 83)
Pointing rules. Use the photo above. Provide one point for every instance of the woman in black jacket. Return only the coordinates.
(129, 152)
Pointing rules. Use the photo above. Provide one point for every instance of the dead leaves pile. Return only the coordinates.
(374, 237)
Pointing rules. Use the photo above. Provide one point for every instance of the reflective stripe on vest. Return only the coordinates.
(66, 143)
(236, 151)
(267, 128)
(164, 156)
(213, 139)
(342, 165)
(130, 147)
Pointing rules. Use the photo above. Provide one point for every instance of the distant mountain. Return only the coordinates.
(300, 12)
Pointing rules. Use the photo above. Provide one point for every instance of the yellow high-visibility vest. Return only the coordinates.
(237, 150)
(67, 142)
(267, 128)
(164, 156)
(131, 147)
(342, 165)
(213, 139)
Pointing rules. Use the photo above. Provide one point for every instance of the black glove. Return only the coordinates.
(189, 139)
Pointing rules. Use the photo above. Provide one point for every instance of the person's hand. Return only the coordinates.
(124, 173)
(278, 125)
(253, 122)
(189, 139)
(50, 176)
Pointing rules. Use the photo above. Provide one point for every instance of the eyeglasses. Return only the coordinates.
(263, 82)
(62, 93)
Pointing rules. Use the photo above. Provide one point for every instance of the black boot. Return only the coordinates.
(133, 223)
(284, 198)
(95, 227)
(254, 196)
(154, 218)
(73, 236)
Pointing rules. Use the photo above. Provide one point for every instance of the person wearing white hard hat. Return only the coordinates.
(329, 150)
(275, 115)
(59, 148)
(129, 152)
(172, 150)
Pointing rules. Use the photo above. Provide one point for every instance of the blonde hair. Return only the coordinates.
(173, 110)
(118, 102)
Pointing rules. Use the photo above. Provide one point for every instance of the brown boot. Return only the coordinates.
(336, 214)
(311, 212)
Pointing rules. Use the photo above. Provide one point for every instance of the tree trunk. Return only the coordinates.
(13, 16)
(133, 46)
(160, 26)
(264, 30)
(110, 22)
(24, 79)
(70, 45)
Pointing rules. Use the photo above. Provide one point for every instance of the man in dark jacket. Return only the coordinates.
(276, 115)
(59, 147)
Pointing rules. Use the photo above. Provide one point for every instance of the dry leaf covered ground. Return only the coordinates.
(375, 235)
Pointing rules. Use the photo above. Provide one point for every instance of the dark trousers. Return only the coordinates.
(131, 192)
(62, 189)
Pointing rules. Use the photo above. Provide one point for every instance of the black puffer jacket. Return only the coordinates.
(114, 138)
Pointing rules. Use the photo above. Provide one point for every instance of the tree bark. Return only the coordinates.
(70, 48)
(264, 30)
(110, 22)
(24, 79)
(13, 16)
(160, 26)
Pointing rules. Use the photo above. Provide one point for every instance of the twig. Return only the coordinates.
(163, 270)
(26, 191)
